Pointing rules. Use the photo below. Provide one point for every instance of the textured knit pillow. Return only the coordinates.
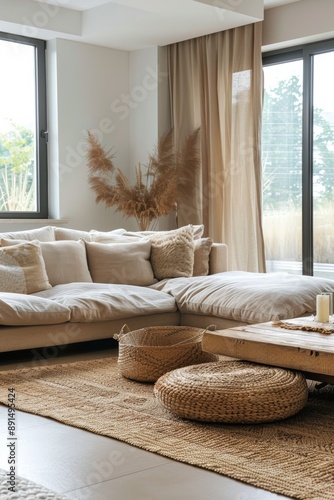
(172, 254)
(22, 269)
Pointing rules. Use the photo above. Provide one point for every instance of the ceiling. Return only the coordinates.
(129, 24)
(82, 5)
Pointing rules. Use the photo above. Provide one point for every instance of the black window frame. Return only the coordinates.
(41, 180)
(304, 53)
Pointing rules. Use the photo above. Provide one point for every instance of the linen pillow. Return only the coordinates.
(202, 249)
(17, 309)
(22, 269)
(172, 254)
(41, 234)
(65, 262)
(123, 263)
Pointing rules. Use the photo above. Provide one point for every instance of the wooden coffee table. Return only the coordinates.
(265, 343)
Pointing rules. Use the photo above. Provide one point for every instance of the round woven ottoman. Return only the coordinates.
(232, 392)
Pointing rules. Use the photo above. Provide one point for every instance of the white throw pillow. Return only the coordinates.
(172, 254)
(22, 269)
(123, 263)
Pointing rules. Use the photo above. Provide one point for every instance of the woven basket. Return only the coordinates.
(146, 354)
(232, 392)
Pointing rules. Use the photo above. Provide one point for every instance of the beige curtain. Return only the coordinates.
(216, 84)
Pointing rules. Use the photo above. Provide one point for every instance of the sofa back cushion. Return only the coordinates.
(65, 262)
(41, 234)
(64, 233)
(198, 230)
(123, 263)
(202, 249)
(22, 269)
(172, 251)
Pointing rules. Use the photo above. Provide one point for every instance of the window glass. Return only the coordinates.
(23, 190)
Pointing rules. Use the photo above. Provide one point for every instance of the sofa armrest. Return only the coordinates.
(218, 259)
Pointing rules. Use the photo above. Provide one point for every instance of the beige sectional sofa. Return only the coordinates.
(60, 286)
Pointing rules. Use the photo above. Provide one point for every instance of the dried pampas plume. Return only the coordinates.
(168, 177)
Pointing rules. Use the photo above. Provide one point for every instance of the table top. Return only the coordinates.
(269, 343)
(271, 333)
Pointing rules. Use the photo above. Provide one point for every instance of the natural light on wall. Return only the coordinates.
(17, 128)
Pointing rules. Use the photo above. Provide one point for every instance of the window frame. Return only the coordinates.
(41, 133)
(304, 53)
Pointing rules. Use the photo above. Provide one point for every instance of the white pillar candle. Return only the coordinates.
(323, 308)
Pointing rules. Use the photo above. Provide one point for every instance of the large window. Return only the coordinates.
(298, 160)
(23, 136)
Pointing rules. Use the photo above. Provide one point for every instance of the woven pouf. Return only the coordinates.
(232, 392)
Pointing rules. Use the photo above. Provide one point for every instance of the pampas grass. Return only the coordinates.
(167, 178)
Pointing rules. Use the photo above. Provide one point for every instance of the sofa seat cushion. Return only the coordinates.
(18, 309)
(90, 302)
(247, 297)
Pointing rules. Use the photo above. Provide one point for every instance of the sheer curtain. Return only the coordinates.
(216, 84)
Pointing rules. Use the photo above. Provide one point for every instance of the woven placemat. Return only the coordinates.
(307, 327)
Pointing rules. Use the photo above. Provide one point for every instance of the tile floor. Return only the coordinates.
(86, 466)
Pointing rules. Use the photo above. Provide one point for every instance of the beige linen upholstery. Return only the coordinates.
(112, 237)
(202, 251)
(198, 230)
(41, 234)
(218, 259)
(246, 297)
(64, 233)
(59, 336)
(22, 269)
(65, 262)
(126, 263)
(19, 309)
(103, 302)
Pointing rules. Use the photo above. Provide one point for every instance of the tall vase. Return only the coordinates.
(144, 223)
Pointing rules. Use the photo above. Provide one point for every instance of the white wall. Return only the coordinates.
(301, 22)
(149, 115)
(89, 82)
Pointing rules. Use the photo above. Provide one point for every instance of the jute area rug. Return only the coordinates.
(293, 457)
